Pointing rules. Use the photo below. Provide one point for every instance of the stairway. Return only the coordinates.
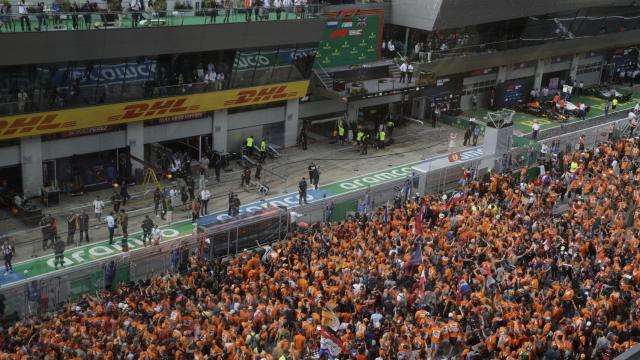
(394, 71)
(325, 79)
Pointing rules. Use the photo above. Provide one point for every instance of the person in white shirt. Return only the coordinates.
(98, 206)
(111, 226)
(205, 195)
(403, 72)
(545, 92)
(266, 7)
(288, 4)
(210, 77)
(156, 235)
(135, 12)
(409, 73)
(392, 48)
(219, 81)
(278, 4)
(22, 100)
(633, 122)
(24, 15)
(536, 128)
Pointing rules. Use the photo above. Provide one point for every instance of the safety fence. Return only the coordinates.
(98, 16)
(50, 291)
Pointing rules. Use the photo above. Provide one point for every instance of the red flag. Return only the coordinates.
(339, 33)
(417, 225)
(421, 284)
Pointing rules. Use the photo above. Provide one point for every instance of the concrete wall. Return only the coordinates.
(549, 68)
(31, 156)
(259, 117)
(316, 108)
(61, 46)
(61, 148)
(177, 130)
(520, 73)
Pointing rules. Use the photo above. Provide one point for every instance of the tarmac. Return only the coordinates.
(412, 142)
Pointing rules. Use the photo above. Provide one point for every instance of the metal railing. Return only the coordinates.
(539, 31)
(12, 19)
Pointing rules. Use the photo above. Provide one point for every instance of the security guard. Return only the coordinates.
(381, 138)
(360, 136)
(341, 132)
(390, 125)
(249, 145)
(263, 150)
(614, 103)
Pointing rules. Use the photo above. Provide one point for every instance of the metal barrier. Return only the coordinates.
(54, 289)
(94, 18)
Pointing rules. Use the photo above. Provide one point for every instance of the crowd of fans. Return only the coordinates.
(507, 267)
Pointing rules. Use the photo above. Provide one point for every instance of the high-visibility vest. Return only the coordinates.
(263, 145)
(382, 135)
(615, 102)
(360, 135)
(249, 142)
(340, 130)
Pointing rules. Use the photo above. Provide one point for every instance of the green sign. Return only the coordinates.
(349, 41)
(256, 59)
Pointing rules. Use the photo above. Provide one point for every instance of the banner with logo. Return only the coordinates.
(85, 117)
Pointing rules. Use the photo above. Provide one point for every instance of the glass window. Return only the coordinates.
(303, 61)
(264, 66)
(282, 67)
(244, 67)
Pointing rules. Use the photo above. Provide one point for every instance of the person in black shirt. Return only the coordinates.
(116, 200)
(147, 226)
(302, 191)
(83, 221)
(157, 199)
(72, 222)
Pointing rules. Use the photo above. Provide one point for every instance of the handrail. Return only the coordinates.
(47, 19)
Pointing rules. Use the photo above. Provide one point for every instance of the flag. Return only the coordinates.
(347, 22)
(330, 343)
(421, 284)
(332, 24)
(417, 225)
(361, 21)
(416, 258)
(386, 214)
(329, 319)
(339, 33)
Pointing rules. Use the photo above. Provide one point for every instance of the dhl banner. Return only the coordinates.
(65, 120)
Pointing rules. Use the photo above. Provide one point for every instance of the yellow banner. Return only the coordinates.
(65, 120)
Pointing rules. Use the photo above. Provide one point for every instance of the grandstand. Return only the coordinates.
(509, 267)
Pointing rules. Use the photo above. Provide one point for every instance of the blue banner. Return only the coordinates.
(105, 74)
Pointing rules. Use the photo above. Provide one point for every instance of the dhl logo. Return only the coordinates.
(156, 108)
(246, 97)
(33, 124)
